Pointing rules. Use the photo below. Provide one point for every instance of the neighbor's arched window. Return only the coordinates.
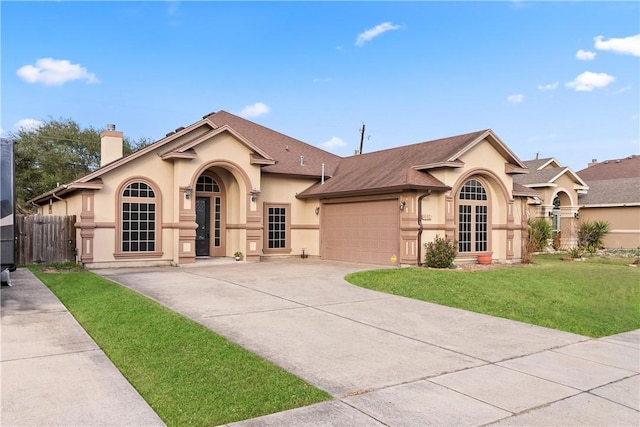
(139, 222)
(473, 217)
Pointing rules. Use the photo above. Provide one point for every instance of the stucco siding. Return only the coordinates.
(305, 222)
(624, 225)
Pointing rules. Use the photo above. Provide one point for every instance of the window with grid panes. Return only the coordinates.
(473, 217)
(138, 225)
(208, 184)
(277, 227)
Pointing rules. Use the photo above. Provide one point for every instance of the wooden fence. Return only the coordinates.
(45, 239)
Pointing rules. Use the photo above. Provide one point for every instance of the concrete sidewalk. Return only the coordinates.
(53, 373)
(387, 360)
(394, 361)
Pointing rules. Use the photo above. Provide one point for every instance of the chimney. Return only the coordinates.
(593, 163)
(110, 145)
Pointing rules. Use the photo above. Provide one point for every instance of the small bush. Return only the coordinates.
(591, 234)
(440, 253)
(574, 252)
(539, 234)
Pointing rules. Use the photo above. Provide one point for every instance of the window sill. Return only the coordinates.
(277, 251)
(137, 255)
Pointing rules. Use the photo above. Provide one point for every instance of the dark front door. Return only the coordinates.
(203, 233)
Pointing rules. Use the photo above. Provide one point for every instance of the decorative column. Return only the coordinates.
(408, 229)
(87, 226)
(187, 226)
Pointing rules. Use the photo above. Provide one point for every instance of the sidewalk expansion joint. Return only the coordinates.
(52, 355)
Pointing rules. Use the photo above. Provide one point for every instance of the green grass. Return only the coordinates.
(596, 298)
(187, 374)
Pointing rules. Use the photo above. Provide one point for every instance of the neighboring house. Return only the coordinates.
(559, 190)
(225, 184)
(614, 196)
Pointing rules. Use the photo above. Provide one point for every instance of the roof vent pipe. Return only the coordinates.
(322, 181)
(111, 127)
(301, 160)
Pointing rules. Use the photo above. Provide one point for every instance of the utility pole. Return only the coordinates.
(361, 138)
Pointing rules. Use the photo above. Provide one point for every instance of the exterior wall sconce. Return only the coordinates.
(187, 192)
(402, 205)
(254, 195)
(317, 210)
(550, 213)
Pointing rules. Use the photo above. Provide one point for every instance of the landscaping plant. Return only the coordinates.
(440, 253)
(539, 234)
(574, 252)
(591, 234)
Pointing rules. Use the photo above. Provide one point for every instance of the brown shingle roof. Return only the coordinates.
(551, 170)
(537, 163)
(538, 176)
(616, 191)
(522, 191)
(628, 167)
(284, 149)
(393, 169)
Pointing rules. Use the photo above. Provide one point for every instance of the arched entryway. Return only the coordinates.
(210, 215)
(563, 220)
(224, 213)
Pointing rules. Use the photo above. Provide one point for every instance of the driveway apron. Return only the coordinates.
(390, 360)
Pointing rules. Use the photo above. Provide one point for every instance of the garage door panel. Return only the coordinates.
(361, 231)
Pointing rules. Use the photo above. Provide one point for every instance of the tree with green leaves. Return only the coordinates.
(56, 152)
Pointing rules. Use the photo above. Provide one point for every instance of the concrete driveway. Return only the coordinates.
(394, 361)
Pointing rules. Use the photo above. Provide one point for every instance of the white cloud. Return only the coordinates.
(550, 86)
(624, 89)
(626, 46)
(322, 80)
(173, 7)
(27, 125)
(374, 32)
(55, 72)
(585, 55)
(334, 142)
(588, 81)
(173, 12)
(255, 110)
(515, 99)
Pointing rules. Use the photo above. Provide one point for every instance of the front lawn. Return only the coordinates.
(187, 374)
(596, 298)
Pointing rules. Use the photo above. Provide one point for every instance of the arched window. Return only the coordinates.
(139, 220)
(207, 184)
(473, 217)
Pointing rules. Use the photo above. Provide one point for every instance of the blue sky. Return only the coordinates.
(560, 79)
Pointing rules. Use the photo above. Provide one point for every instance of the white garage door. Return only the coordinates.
(366, 232)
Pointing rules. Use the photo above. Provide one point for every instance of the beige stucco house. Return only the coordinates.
(225, 184)
(614, 196)
(559, 189)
